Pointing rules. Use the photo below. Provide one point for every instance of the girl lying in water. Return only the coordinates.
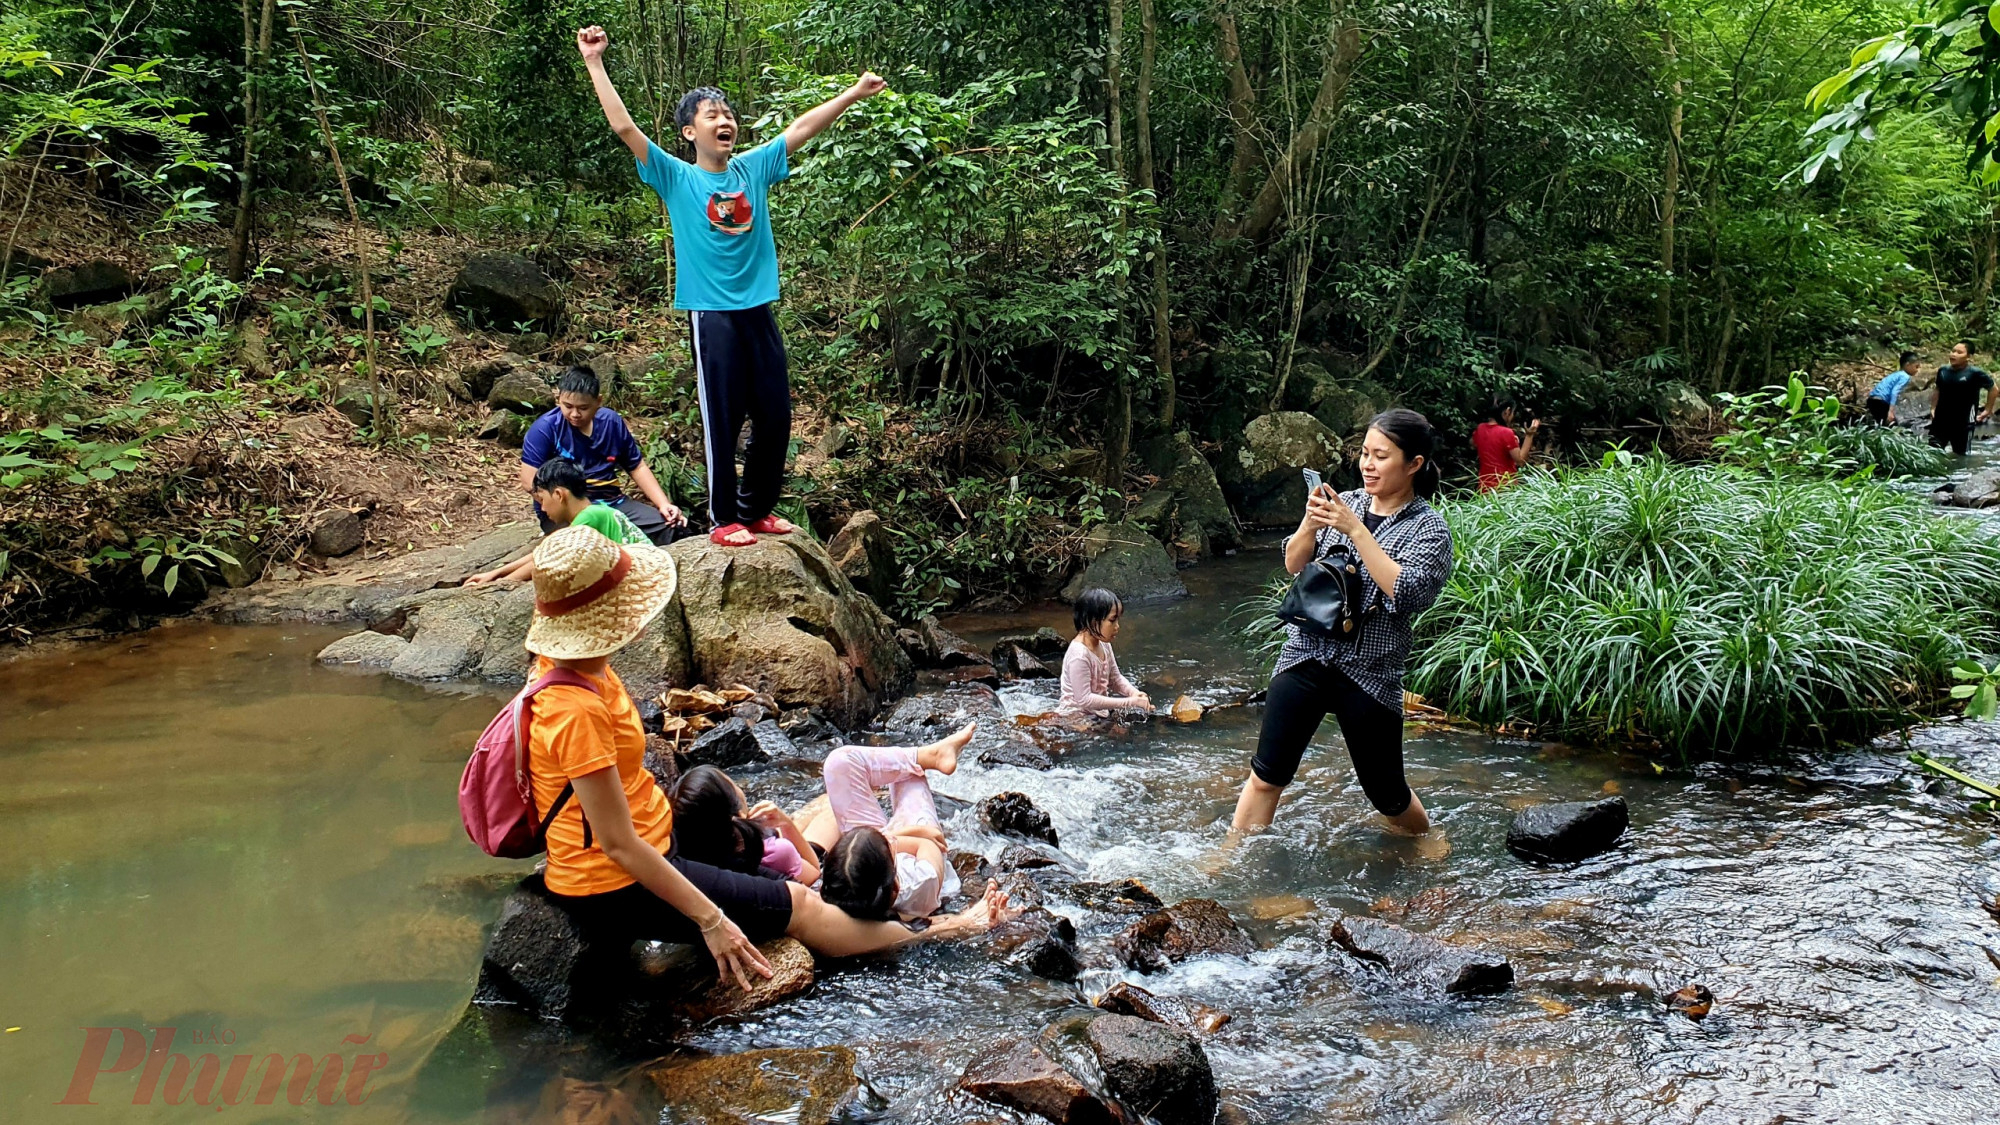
(872, 866)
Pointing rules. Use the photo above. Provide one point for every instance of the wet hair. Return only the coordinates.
(1496, 411)
(1093, 608)
(1904, 359)
(691, 102)
(1412, 433)
(859, 875)
(709, 826)
(579, 381)
(563, 473)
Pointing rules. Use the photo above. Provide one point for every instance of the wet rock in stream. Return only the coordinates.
(537, 960)
(1186, 1015)
(801, 1086)
(1422, 959)
(1568, 831)
(998, 741)
(1194, 928)
(1042, 942)
(1013, 814)
(1154, 1069)
(731, 744)
(1021, 1077)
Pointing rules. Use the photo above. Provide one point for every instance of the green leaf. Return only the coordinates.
(1963, 691)
(173, 578)
(148, 565)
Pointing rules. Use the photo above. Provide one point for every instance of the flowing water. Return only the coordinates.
(208, 832)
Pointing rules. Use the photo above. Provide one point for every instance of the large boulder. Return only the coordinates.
(1155, 1070)
(1979, 490)
(365, 591)
(539, 961)
(1199, 502)
(798, 1085)
(1194, 928)
(1021, 1077)
(1127, 561)
(367, 649)
(1567, 831)
(476, 381)
(863, 552)
(521, 391)
(334, 532)
(1456, 970)
(91, 283)
(781, 617)
(1269, 487)
(501, 290)
(1347, 408)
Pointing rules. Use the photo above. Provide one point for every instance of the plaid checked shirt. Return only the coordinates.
(1417, 538)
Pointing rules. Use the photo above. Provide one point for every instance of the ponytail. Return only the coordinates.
(1412, 433)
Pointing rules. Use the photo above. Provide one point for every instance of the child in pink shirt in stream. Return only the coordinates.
(1091, 682)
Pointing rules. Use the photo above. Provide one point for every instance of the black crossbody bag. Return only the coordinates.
(1325, 598)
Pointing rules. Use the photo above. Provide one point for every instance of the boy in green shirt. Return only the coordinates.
(564, 497)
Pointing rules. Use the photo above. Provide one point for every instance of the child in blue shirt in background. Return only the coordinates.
(1882, 400)
(726, 277)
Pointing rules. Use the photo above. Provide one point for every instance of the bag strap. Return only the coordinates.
(523, 778)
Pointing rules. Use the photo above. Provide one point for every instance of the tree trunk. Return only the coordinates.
(1476, 208)
(360, 239)
(1343, 52)
(1670, 186)
(255, 55)
(1982, 286)
(1119, 443)
(1244, 149)
(1163, 341)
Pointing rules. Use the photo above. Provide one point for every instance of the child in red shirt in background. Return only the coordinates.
(1501, 454)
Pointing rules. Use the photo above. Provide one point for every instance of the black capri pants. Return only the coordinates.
(760, 907)
(1299, 698)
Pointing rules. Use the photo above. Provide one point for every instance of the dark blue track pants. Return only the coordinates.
(740, 372)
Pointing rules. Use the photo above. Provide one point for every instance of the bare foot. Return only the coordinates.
(943, 756)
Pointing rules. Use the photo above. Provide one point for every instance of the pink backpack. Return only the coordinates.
(496, 795)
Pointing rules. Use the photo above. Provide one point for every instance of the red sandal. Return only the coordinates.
(774, 525)
(721, 536)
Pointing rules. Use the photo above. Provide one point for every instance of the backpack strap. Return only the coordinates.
(522, 777)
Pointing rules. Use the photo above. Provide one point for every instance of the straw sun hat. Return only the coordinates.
(592, 596)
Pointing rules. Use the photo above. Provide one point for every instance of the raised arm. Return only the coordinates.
(1526, 449)
(814, 121)
(590, 42)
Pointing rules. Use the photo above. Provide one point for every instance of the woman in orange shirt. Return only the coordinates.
(611, 856)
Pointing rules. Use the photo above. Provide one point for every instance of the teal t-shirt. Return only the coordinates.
(724, 256)
(612, 524)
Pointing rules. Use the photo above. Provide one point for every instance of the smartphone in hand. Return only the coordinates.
(1312, 481)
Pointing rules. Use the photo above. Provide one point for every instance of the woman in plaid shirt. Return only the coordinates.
(1405, 550)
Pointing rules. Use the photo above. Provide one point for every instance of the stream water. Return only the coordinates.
(208, 832)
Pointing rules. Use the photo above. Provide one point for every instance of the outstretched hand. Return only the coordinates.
(767, 814)
(869, 85)
(735, 957)
(591, 41)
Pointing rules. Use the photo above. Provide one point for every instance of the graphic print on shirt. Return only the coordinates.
(730, 212)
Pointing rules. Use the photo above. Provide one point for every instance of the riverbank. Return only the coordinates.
(303, 881)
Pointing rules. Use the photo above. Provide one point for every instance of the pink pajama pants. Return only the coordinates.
(854, 773)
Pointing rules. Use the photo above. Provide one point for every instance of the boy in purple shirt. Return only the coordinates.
(726, 277)
(581, 429)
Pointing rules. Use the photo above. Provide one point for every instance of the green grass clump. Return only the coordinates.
(1892, 450)
(1707, 608)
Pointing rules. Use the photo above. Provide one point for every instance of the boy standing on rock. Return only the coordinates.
(726, 277)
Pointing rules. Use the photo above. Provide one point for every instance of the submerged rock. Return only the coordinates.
(1154, 1069)
(1015, 815)
(1126, 896)
(998, 741)
(1567, 831)
(1020, 1077)
(1457, 970)
(707, 997)
(800, 1086)
(1194, 928)
(1184, 1015)
(367, 648)
(1692, 1001)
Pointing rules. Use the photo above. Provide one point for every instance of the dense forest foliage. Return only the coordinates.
(1066, 225)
